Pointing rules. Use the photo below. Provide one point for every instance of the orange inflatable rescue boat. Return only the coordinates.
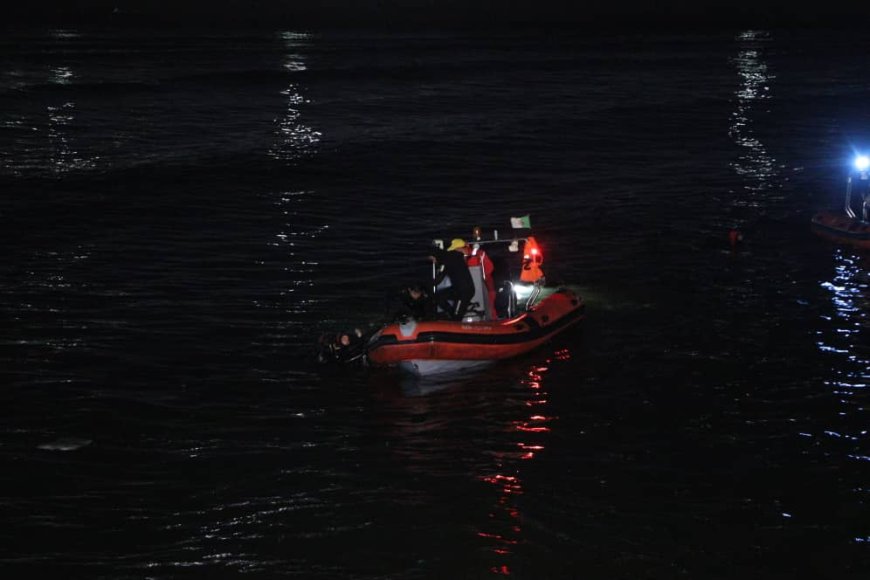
(847, 227)
(536, 314)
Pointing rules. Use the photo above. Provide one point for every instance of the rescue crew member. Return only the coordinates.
(412, 302)
(343, 347)
(477, 257)
(455, 299)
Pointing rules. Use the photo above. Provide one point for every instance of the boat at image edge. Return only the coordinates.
(847, 227)
(841, 228)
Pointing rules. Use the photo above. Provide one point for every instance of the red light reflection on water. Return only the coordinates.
(506, 517)
(532, 429)
(529, 448)
(563, 354)
(500, 539)
(507, 483)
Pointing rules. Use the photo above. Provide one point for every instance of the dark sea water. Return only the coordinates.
(181, 215)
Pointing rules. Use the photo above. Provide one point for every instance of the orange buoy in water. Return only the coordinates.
(734, 237)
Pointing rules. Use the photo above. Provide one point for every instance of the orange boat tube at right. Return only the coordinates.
(842, 229)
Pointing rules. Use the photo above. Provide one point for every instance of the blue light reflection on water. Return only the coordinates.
(846, 340)
(850, 297)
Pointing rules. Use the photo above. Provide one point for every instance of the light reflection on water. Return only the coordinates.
(293, 138)
(61, 34)
(44, 139)
(844, 338)
(292, 241)
(850, 297)
(504, 418)
(754, 164)
(47, 291)
(61, 118)
(485, 429)
(530, 432)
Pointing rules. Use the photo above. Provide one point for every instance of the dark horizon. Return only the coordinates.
(476, 14)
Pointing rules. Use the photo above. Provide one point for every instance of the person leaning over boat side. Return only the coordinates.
(412, 302)
(344, 347)
(454, 299)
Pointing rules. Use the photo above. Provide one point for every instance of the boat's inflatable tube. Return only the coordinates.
(476, 341)
(840, 228)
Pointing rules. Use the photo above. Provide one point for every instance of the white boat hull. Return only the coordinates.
(422, 367)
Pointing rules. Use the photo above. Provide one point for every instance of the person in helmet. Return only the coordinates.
(455, 298)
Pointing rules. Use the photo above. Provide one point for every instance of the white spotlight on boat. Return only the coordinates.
(862, 162)
(522, 291)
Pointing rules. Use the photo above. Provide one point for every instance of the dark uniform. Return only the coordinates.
(410, 303)
(455, 299)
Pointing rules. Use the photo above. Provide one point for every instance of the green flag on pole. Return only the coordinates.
(519, 223)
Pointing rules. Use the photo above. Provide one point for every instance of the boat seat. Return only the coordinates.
(478, 308)
(474, 312)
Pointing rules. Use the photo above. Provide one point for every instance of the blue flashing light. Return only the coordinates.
(862, 162)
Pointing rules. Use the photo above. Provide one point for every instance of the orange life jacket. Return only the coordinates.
(532, 260)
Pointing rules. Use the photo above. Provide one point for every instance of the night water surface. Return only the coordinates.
(181, 216)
